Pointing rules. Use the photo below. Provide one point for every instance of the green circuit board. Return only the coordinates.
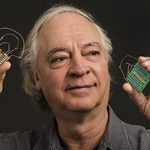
(138, 77)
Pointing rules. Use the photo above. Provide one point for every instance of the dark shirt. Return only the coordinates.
(118, 136)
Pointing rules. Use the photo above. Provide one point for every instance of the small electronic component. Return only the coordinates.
(138, 77)
(3, 57)
(11, 44)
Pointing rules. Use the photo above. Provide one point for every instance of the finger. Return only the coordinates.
(145, 62)
(2, 77)
(147, 106)
(142, 59)
(4, 67)
(127, 87)
(148, 69)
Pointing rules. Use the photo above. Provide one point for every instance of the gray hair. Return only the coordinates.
(29, 59)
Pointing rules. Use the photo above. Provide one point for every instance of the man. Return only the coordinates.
(65, 66)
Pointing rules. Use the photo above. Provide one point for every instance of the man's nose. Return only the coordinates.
(78, 68)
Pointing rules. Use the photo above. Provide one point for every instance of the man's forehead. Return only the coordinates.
(68, 29)
(67, 18)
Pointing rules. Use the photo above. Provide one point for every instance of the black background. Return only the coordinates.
(127, 23)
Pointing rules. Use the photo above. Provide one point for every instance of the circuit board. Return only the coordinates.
(138, 77)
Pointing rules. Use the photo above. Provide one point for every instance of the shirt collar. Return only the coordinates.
(115, 137)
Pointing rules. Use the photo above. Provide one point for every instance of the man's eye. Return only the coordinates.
(58, 59)
(93, 53)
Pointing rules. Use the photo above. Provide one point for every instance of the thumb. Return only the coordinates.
(1, 81)
(3, 68)
(137, 97)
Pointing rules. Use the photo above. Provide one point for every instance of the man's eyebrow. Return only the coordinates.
(92, 44)
(55, 50)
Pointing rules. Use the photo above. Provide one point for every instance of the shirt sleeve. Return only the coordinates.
(15, 141)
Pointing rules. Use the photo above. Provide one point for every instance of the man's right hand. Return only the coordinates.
(3, 68)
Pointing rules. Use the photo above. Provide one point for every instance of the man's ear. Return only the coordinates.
(36, 79)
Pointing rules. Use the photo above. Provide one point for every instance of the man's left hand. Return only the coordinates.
(142, 101)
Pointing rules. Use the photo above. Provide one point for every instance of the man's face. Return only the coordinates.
(72, 67)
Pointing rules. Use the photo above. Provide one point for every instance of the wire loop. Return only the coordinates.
(11, 38)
